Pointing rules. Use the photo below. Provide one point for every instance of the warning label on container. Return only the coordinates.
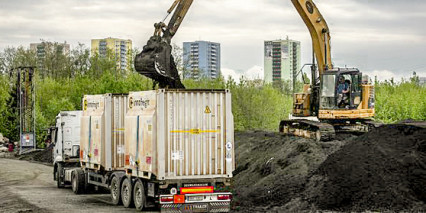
(207, 110)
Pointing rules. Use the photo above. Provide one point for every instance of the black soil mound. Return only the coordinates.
(272, 169)
(382, 170)
(44, 156)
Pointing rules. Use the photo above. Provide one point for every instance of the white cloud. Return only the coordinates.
(230, 73)
(256, 72)
(383, 75)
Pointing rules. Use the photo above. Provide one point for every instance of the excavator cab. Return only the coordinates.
(345, 95)
(341, 89)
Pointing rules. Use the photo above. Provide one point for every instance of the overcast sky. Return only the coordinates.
(384, 38)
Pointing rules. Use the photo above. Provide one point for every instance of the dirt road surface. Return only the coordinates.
(29, 187)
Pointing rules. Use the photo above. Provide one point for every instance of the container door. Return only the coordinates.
(195, 134)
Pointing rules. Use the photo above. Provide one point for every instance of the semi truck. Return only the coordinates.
(167, 148)
(65, 135)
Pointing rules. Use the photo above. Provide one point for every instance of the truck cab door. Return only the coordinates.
(57, 150)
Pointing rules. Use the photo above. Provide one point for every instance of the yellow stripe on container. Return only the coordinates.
(194, 131)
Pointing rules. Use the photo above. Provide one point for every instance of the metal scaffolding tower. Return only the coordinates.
(26, 103)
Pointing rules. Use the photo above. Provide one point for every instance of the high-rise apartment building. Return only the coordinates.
(44, 48)
(120, 49)
(201, 59)
(282, 60)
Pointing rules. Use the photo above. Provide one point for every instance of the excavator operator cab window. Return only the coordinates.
(356, 90)
(328, 95)
(356, 86)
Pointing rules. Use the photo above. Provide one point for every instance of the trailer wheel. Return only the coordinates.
(78, 182)
(126, 193)
(60, 176)
(139, 196)
(115, 190)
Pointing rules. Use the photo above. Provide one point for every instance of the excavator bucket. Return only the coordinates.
(156, 62)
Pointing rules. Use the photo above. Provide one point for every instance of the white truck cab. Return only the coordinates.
(65, 136)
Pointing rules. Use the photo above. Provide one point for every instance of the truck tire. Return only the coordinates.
(126, 192)
(60, 176)
(78, 181)
(115, 190)
(139, 196)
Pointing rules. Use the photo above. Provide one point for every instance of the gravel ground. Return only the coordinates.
(29, 187)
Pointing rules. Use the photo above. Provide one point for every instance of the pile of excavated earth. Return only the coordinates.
(383, 170)
(44, 156)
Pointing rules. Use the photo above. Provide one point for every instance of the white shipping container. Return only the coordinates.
(102, 132)
(180, 134)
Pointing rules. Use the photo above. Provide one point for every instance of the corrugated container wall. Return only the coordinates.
(102, 132)
(180, 134)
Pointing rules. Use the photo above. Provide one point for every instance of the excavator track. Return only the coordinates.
(308, 129)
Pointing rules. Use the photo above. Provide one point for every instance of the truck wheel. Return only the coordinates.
(115, 191)
(78, 181)
(126, 193)
(59, 176)
(139, 196)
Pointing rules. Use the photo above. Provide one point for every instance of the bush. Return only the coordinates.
(400, 101)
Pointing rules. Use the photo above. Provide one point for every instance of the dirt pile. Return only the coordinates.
(44, 156)
(381, 170)
(272, 169)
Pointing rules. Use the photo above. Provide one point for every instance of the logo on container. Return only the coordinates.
(142, 103)
(92, 104)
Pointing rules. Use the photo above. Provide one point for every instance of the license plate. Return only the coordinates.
(195, 198)
(199, 207)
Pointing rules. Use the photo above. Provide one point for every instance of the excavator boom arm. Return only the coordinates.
(319, 30)
(181, 8)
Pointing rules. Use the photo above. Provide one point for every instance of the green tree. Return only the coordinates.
(8, 108)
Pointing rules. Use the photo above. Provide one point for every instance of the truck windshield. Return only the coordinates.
(328, 85)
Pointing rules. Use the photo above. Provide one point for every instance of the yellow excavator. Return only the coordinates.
(337, 99)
